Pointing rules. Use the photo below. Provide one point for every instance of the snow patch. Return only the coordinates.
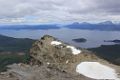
(55, 43)
(96, 70)
(74, 50)
(67, 61)
(48, 63)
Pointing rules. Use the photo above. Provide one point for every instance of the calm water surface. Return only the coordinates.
(94, 38)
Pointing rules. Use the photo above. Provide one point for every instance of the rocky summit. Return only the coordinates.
(52, 59)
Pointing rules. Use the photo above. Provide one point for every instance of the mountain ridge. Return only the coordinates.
(11, 44)
(51, 59)
(104, 26)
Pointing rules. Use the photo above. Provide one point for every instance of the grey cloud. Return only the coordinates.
(99, 6)
(110, 6)
(61, 10)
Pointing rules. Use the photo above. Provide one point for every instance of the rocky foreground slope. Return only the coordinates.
(52, 59)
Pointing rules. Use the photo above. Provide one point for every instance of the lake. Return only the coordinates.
(94, 38)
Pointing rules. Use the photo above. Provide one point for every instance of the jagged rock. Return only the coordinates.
(58, 56)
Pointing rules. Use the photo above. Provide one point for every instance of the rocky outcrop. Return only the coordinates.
(58, 56)
(52, 59)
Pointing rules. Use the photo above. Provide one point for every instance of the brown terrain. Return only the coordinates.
(52, 62)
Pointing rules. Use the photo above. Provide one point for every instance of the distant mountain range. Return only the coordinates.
(106, 26)
(29, 27)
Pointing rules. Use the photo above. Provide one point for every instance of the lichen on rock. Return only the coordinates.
(57, 56)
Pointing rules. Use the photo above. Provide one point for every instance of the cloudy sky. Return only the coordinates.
(58, 11)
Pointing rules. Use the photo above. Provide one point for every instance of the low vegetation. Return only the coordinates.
(14, 50)
(9, 44)
(12, 58)
(108, 52)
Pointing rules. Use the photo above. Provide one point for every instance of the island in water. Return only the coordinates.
(115, 41)
(80, 40)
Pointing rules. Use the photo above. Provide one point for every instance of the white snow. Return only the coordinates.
(48, 63)
(55, 43)
(95, 70)
(74, 50)
(67, 61)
